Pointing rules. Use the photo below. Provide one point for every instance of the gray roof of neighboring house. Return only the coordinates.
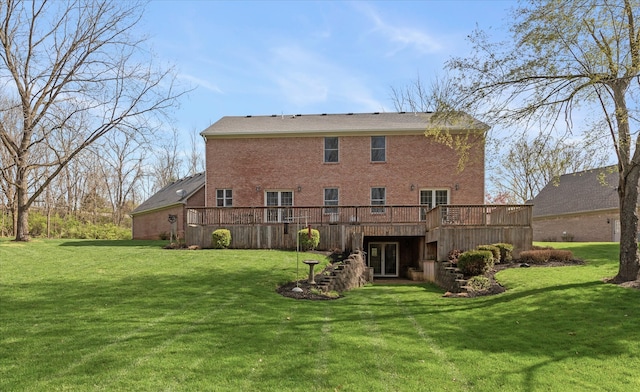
(168, 195)
(309, 124)
(590, 190)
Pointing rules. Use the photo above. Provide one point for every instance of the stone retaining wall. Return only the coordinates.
(345, 275)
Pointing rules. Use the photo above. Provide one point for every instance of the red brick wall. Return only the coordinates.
(589, 227)
(149, 226)
(286, 163)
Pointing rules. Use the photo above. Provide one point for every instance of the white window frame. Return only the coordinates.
(226, 199)
(434, 200)
(377, 149)
(378, 202)
(331, 205)
(278, 213)
(326, 150)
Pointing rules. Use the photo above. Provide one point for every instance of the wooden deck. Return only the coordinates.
(442, 229)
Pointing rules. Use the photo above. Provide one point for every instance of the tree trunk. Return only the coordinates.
(22, 221)
(22, 201)
(628, 193)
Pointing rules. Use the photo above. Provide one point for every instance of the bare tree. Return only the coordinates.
(567, 57)
(168, 164)
(10, 119)
(196, 155)
(440, 95)
(77, 72)
(529, 165)
(121, 156)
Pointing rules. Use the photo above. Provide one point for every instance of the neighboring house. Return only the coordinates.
(581, 206)
(372, 181)
(151, 218)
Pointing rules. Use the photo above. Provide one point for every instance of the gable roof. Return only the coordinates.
(168, 195)
(590, 190)
(337, 124)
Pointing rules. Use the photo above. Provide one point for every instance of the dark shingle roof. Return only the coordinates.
(309, 124)
(590, 190)
(168, 195)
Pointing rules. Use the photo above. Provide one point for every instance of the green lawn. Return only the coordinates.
(129, 316)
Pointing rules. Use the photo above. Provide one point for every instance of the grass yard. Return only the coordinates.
(128, 316)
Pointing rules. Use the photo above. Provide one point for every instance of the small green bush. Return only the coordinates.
(495, 251)
(479, 283)
(220, 239)
(308, 242)
(541, 256)
(475, 262)
(505, 251)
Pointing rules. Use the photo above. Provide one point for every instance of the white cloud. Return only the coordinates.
(402, 37)
(200, 82)
(306, 78)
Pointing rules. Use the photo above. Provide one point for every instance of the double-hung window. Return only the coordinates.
(378, 149)
(331, 199)
(224, 197)
(378, 198)
(331, 149)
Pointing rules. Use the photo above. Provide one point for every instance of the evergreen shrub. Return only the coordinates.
(221, 239)
(475, 262)
(308, 242)
(495, 251)
(505, 251)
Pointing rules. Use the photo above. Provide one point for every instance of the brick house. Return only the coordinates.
(580, 206)
(151, 218)
(371, 181)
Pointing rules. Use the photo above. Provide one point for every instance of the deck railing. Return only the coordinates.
(443, 215)
(479, 215)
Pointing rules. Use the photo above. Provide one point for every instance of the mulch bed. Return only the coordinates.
(287, 291)
(496, 288)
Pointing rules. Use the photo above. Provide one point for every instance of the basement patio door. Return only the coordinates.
(383, 258)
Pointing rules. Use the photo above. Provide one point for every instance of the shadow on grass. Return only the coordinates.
(78, 326)
(426, 287)
(115, 243)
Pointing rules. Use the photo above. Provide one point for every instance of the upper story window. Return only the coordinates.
(224, 197)
(331, 199)
(331, 149)
(378, 198)
(378, 148)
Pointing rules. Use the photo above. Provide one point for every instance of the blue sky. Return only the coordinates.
(304, 57)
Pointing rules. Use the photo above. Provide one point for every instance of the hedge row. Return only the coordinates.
(541, 256)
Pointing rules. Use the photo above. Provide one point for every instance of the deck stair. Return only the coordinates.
(446, 275)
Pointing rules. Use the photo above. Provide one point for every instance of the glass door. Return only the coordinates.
(383, 258)
(279, 199)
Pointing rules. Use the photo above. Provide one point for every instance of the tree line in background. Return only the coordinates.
(83, 115)
(94, 194)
